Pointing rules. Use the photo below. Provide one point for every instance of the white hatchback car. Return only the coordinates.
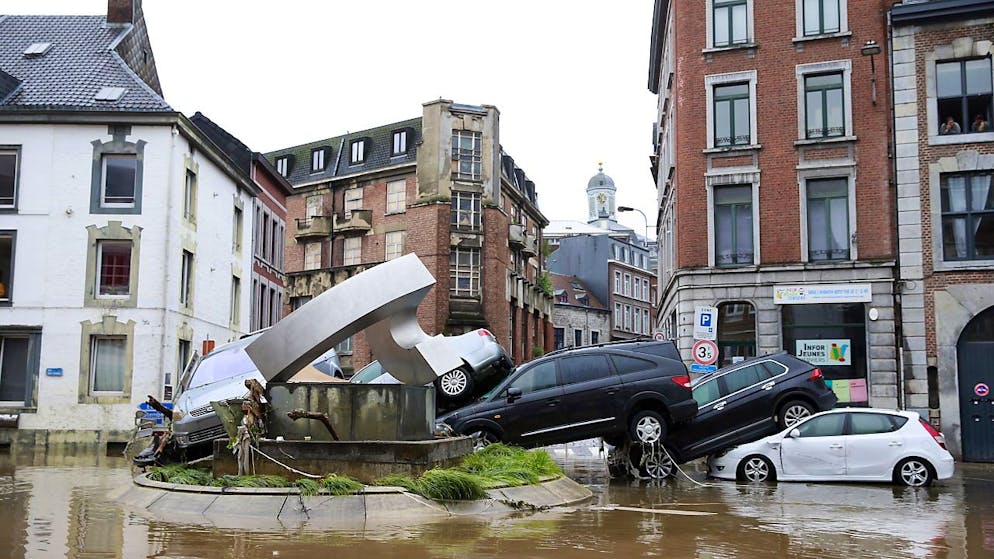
(849, 444)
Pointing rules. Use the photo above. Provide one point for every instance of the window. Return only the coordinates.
(637, 321)
(559, 336)
(828, 219)
(353, 251)
(465, 210)
(358, 151)
(15, 355)
(617, 317)
(833, 337)
(733, 225)
(464, 271)
(190, 196)
(399, 142)
(539, 377)
(297, 302)
(617, 282)
(745, 377)
(637, 289)
(594, 337)
(236, 297)
(468, 152)
(8, 178)
(645, 321)
(824, 107)
(394, 244)
(831, 425)
(186, 279)
(873, 423)
(314, 205)
(236, 230)
(283, 165)
(577, 338)
(736, 331)
(107, 364)
(345, 346)
(707, 392)
(964, 92)
(731, 115)
(117, 189)
(353, 201)
(317, 160)
(6, 266)
(628, 285)
(821, 17)
(396, 197)
(114, 271)
(182, 359)
(645, 290)
(585, 368)
(967, 202)
(730, 22)
(628, 318)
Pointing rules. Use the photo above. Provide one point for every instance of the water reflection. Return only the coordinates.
(53, 506)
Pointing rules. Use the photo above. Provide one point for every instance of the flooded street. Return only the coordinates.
(64, 507)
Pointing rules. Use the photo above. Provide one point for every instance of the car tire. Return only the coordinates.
(648, 427)
(482, 438)
(792, 412)
(756, 469)
(455, 384)
(914, 472)
(652, 461)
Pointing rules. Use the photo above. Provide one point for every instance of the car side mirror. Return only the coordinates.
(794, 433)
(513, 394)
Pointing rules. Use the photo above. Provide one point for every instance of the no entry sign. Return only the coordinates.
(981, 389)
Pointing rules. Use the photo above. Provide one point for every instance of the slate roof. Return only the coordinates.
(379, 144)
(576, 292)
(80, 62)
(239, 154)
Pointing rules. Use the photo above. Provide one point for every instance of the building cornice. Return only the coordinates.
(936, 10)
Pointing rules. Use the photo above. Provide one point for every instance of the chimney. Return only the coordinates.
(121, 12)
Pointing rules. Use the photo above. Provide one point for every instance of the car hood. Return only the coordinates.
(231, 387)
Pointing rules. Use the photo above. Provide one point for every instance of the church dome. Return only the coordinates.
(600, 180)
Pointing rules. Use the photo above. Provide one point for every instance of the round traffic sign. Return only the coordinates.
(705, 352)
(659, 337)
(981, 389)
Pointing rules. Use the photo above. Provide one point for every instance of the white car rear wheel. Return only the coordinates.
(914, 472)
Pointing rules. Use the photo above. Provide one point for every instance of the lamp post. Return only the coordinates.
(871, 49)
(630, 209)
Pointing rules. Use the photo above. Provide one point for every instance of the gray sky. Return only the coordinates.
(569, 76)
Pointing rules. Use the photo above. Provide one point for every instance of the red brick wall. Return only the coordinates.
(774, 60)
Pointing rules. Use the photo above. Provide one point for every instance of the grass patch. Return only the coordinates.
(340, 485)
(500, 464)
(262, 480)
(181, 475)
(398, 480)
(451, 485)
(307, 487)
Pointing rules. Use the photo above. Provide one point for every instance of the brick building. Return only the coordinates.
(770, 159)
(441, 186)
(942, 71)
(578, 316)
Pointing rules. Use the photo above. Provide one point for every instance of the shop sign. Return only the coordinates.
(825, 352)
(822, 293)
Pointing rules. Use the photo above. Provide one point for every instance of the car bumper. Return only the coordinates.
(945, 467)
(191, 431)
(723, 467)
(826, 401)
(683, 411)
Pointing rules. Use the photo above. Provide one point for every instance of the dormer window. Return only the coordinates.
(358, 152)
(282, 165)
(399, 142)
(317, 160)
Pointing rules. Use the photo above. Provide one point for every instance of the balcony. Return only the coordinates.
(516, 236)
(314, 227)
(311, 283)
(531, 246)
(360, 222)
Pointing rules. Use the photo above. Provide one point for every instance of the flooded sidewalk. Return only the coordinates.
(63, 506)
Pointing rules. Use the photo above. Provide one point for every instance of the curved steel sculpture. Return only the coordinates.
(382, 300)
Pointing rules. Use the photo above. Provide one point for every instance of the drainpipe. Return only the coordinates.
(898, 329)
(166, 249)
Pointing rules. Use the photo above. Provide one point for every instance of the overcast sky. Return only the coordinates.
(569, 76)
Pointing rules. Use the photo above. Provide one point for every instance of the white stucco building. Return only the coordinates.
(122, 242)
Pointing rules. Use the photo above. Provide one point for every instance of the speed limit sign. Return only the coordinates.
(705, 352)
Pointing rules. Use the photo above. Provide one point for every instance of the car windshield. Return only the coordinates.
(367, 373)
(222, 364)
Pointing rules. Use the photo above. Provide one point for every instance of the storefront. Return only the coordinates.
(826, 326)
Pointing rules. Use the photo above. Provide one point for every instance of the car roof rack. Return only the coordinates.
(603, 344)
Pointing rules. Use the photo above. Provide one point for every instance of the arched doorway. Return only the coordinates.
(975, 356)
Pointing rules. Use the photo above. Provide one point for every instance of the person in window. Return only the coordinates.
(980, 125)
(949, 127)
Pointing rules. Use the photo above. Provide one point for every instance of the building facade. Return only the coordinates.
(578, 316)
(441, 186)
(770, 163)
(944, 167)
(116, 244)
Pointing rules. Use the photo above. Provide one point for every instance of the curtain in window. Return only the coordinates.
(108, 364)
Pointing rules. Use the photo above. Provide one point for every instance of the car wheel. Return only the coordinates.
(652, 461)
(756, 469)
(455, 384)
(648, 427)
(794, 411)
(483, 438)
(914, 472)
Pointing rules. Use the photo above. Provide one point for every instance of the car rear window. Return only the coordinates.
(662, 349)
(775, 368)
(583, 368)
(625, 365)
(871, 423)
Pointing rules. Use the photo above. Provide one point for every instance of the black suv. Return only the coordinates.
(748, 401)
(638, 388)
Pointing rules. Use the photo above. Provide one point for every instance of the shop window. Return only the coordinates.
(731, 115)
(833, 338)
(736, 332)
(967, 202)
(824, 107)
(828, 219)
(964, 92)
(733, 225)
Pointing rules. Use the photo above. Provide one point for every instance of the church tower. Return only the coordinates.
(600, 197)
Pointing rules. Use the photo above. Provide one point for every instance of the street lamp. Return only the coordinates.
(871, 49)
(630, 209)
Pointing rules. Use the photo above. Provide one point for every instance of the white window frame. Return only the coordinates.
(834, 66)
(475, 215)
(645, 290)
(637, 288)
(628, 285)
(312, 256)
(94, 339)
(628, 318)
(396, 197)
(236, 295)
(352, 252)
(357, 152)
(103, 181)
(472, 155)
(399, 147)
(846, 173)
(636, 320)
(186, 279)
(646, 322)
(238, 228)
(799, 22)
(317, 160)
(713, 80)
(393, 244)
(472, 271)
(750, 29)
(617, 282)
(618, 320)
(733, 179)
(283, 165)
(14, 152)
(353, 201)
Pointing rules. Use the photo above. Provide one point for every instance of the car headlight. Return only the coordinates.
(724, 452)
(182, 440)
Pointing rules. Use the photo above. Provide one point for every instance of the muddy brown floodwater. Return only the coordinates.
(62, 506)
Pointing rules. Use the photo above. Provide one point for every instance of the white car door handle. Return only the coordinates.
(895, 443)
(769, 385)
(835, 446)
(719, 406)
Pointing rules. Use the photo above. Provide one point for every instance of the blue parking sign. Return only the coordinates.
(705, 319)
